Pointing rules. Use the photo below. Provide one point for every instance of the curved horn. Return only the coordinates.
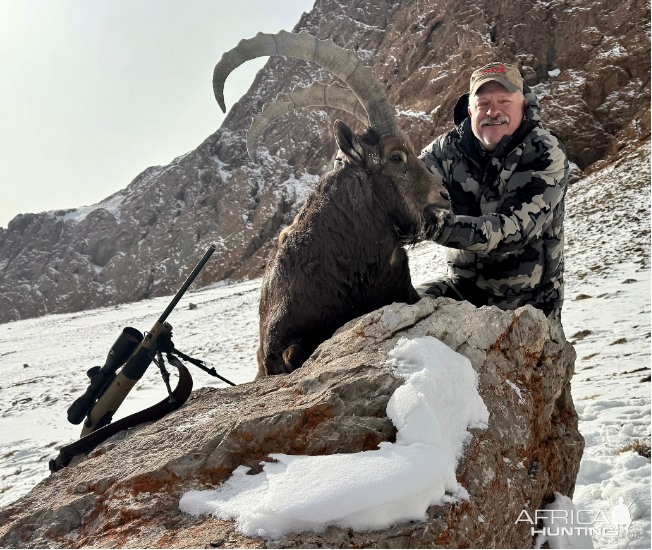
(342, 63)
(315, 95)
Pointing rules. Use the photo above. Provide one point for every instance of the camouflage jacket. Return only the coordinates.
(505, 233)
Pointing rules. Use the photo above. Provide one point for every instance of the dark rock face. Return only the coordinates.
(126, 493)
(588, 62)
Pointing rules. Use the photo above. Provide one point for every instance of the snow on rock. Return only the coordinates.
(372, 489)
(389, 396)
(110, 204)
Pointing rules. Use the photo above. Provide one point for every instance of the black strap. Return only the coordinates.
(86, 444)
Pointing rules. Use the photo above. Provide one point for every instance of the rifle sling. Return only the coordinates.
(86, 444)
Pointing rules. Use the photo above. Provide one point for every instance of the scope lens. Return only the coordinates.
(121, 349)
(133, 334)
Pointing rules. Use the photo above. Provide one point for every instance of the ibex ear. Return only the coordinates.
(348, 142)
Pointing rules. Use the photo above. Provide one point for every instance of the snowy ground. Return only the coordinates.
(43, 361)
(608, 259)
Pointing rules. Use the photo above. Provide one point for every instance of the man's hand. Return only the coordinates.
(434, 223)
(434, 220)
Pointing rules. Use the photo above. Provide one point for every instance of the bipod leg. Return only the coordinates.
(166, 378)
(199, 363)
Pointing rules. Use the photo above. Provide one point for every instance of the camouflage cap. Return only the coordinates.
(507, 75)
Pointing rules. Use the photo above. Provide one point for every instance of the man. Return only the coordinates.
(506, 176)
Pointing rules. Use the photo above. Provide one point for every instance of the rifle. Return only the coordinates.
(107, 390)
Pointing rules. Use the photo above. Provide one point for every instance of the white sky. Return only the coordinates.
(92, 92)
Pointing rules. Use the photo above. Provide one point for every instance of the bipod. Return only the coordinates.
(166, 345)
(166, 376)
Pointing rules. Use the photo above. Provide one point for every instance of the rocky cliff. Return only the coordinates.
(126, 493)
(587, 60)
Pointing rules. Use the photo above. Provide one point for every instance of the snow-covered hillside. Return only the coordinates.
(607, 316)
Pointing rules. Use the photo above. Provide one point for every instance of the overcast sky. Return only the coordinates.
(92, 92)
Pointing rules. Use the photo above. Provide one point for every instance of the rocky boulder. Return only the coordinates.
(127, 492)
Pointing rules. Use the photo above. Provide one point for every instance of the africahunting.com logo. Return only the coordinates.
(568, 522)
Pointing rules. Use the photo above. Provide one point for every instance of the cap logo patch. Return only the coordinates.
(500, 69)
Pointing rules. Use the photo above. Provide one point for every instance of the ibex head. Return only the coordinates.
(383, 152)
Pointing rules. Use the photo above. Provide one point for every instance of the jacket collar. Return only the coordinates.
(531, 117)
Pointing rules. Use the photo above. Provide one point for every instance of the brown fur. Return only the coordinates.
(342, 256)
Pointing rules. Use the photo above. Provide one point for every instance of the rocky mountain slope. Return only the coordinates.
(588, 61)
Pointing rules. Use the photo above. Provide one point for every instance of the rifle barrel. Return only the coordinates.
(188, 282)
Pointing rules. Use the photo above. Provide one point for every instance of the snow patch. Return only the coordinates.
(111, 205)
(421, 115)
(371, 489)
(516, 389)
(222, 169)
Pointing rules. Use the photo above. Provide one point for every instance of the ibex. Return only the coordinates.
(343, 255)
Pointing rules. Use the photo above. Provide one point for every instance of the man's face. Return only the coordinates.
(495, 113)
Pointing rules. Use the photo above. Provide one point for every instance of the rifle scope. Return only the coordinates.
(120, 351)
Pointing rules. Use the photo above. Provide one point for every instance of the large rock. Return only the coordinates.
(587, 60)
(126, 493)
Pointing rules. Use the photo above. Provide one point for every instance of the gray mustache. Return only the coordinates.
(498, 120)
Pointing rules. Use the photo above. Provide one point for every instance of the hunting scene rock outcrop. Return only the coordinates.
(588, 62)
(126, 493)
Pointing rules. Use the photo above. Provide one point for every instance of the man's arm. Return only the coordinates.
(531, 195)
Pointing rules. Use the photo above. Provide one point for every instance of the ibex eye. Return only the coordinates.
(396, 158)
